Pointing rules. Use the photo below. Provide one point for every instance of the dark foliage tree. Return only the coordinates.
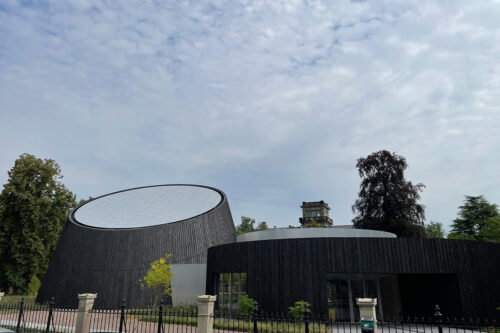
(477, 219)
(34, 205)
(387, 201)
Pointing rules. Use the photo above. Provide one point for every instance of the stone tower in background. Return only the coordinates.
(316, 210)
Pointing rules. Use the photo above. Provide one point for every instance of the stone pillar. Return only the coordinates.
(1, 295)
(85, 304)
(367, 309)
(205, 314)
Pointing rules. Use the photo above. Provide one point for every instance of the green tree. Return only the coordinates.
(247, 225)
(477, 219)
(387, 201)
(491, 231)
(434, 230)
(158, 278)
(461, 237)
(34, 205)
(83, 201)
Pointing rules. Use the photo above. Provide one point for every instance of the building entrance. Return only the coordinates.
(342, 291)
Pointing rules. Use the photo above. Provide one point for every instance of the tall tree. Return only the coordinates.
(477, 219)
(34, 205)
(387, 201)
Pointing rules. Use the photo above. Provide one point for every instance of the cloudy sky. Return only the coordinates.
(270, 101)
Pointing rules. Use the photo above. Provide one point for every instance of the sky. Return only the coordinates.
(270, 101)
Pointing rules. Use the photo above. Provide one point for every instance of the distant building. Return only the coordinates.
(316, 210)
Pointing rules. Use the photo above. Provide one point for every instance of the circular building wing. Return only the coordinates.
(109, 243)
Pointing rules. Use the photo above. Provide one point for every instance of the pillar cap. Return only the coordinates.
(206, 298)
(87, 296)
(366, 301)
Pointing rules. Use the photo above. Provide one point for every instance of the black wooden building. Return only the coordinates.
(407, 275)
(108, 244)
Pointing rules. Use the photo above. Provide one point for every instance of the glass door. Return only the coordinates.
(342, 294)
(338, 300)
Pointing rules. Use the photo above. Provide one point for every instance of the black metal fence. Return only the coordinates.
(33, 318)
(153, 320)
(309, 323)
(24, 318)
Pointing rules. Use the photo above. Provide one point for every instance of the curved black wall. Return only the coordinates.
(110, 262)
(280, 272)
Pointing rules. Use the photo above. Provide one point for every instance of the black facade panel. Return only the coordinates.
(281, 272)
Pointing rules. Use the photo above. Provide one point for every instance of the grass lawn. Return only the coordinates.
(16, 299)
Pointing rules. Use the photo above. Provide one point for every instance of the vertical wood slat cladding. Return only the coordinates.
(110, 262)
(281, 272)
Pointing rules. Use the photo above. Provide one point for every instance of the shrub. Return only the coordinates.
(246, 305)
(34, 285)
(300, 309)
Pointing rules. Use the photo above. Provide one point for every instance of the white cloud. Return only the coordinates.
(271, 101)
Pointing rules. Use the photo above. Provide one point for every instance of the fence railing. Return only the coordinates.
(153, 320)
(310, 323)
(24, 318)
(33, 318)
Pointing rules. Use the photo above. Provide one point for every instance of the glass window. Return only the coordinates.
(219, 291)
(225, 282)
(230, 287)
(243, 283)
(235, 283)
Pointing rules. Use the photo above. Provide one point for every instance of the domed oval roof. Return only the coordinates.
(147, 206)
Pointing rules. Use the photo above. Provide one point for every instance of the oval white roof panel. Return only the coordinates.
(147, 206)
